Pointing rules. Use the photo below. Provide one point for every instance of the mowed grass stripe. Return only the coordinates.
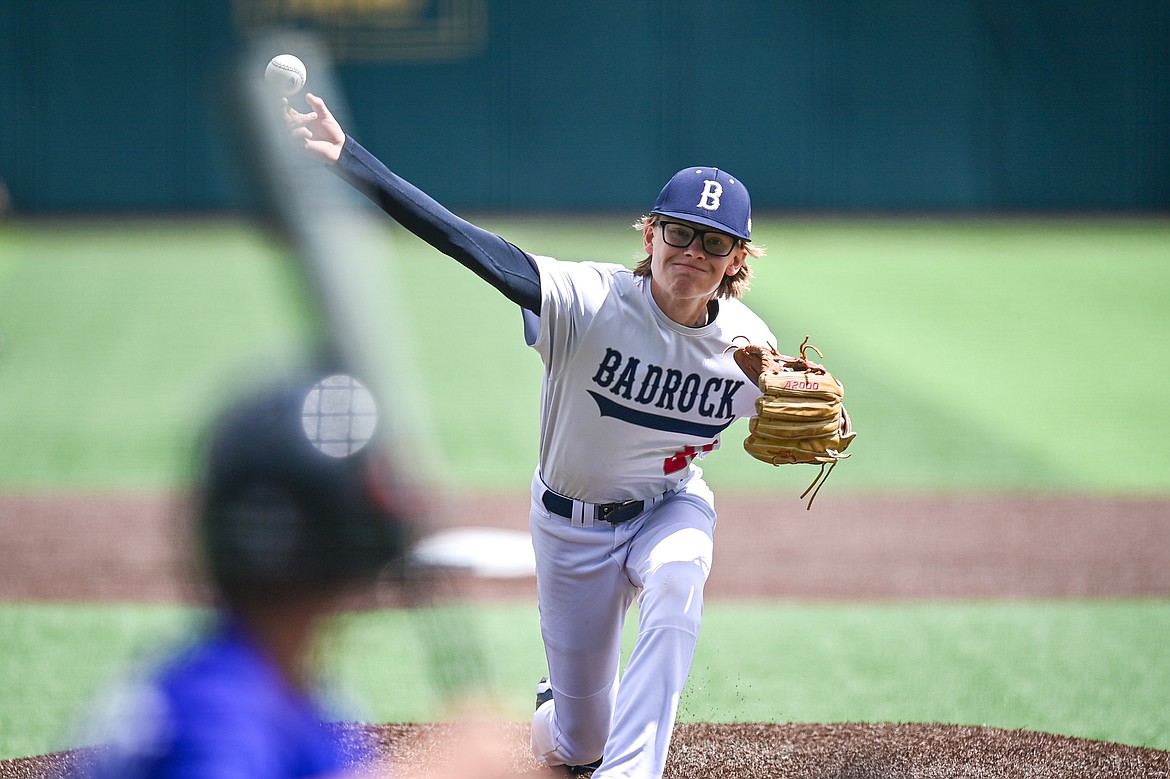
(1093, 670)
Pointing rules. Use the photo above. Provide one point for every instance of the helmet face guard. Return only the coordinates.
(296, 490)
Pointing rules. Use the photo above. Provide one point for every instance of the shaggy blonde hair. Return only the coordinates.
(730, 287)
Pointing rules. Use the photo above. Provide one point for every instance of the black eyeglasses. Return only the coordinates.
(680, 236)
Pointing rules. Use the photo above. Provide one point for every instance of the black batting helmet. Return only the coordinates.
(296, 492)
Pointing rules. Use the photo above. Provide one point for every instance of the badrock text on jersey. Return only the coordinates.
(654, 387)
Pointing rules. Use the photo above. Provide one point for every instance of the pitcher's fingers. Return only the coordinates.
(318, 106)
(297, 119)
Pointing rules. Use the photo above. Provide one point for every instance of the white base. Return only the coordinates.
(481, 551)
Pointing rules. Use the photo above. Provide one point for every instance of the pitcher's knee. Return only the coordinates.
(672, 596)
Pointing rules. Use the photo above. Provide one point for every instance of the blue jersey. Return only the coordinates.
(220, 710)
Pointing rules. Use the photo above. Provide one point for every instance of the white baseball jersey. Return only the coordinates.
(631, 399)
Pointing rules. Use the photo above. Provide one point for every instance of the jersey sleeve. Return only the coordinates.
(504, 266)
(571, 294)
(738, 324)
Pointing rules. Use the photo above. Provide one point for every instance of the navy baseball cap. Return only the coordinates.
(708, 196)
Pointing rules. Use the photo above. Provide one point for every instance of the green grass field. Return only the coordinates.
(1093, 670)
(975, 355)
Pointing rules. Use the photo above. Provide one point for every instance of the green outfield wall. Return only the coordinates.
(518, 105)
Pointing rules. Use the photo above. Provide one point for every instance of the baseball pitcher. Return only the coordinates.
(637, 389)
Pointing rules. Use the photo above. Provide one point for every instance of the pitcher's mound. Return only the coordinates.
(700, 751)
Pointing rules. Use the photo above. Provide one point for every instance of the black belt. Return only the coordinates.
(613, 513)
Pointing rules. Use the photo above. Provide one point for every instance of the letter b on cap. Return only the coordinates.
(709, 198)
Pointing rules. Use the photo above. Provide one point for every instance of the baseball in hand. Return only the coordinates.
(285, 74)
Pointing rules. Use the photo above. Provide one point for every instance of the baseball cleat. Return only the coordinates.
(583, 770)
(543, 692)
(575, 770)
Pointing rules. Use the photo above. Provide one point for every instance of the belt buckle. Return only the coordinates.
(607, 510)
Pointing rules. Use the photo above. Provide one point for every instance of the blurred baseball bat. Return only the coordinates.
(340, 244)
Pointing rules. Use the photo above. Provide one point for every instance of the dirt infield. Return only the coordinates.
(104, 547)
(859, 751)
(879, 547)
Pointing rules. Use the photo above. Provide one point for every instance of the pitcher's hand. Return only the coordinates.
(317, 131)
